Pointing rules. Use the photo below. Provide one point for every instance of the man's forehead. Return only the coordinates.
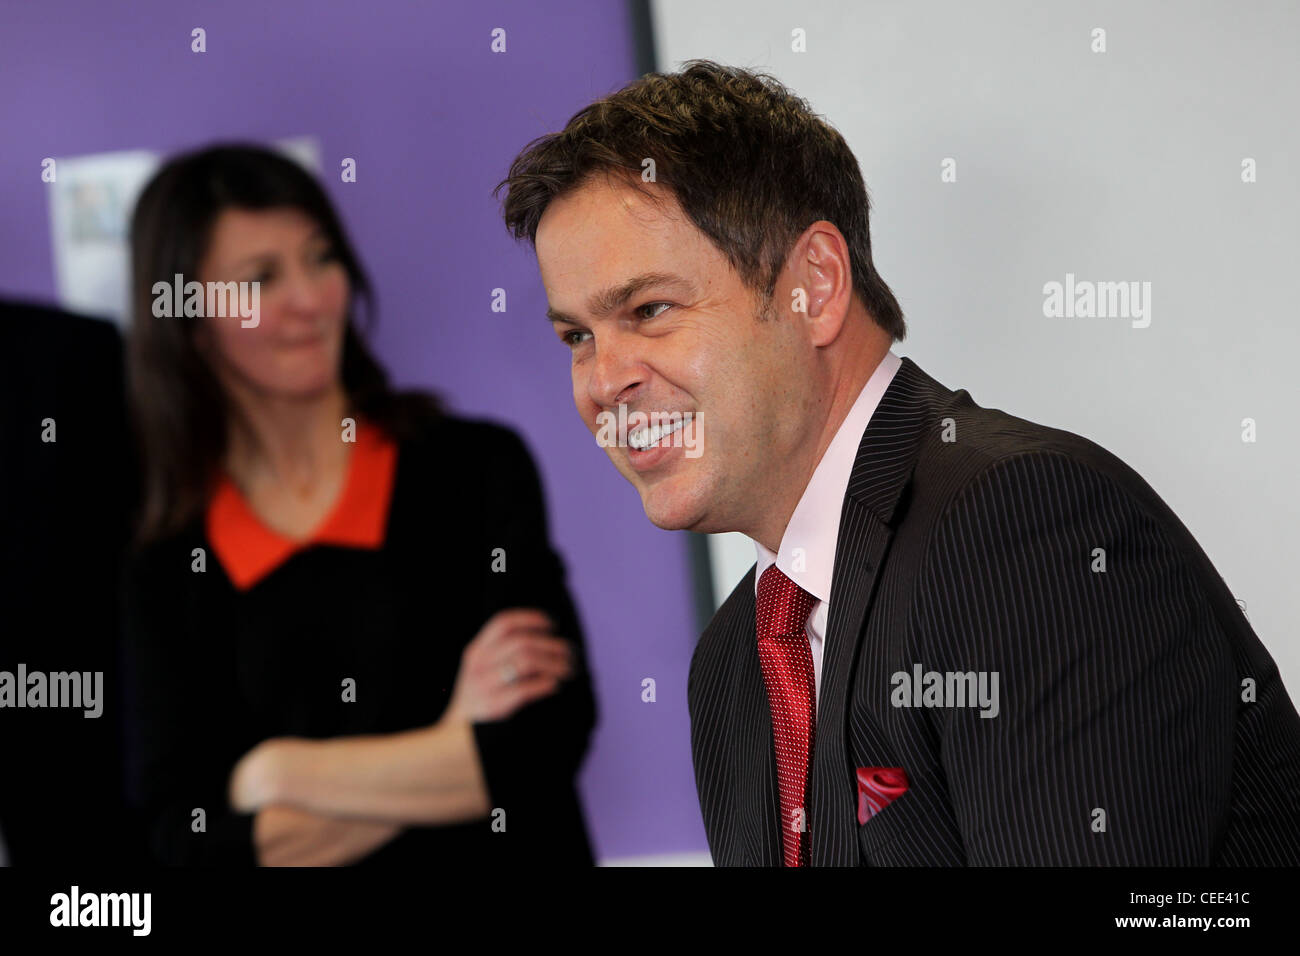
(610, 202)
(599, 235)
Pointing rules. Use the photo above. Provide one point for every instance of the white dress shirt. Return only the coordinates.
(807, 553)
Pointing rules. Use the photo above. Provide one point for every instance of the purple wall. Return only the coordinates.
(413, 93)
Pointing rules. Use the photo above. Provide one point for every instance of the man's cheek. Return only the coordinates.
(586, 408)
(603, 427)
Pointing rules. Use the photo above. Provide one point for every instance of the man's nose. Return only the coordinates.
(616, 371)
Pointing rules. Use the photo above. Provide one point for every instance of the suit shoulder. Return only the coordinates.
(78, 357)
(38, 322)
(1065, 481)
(1041, 506)
(967, 444)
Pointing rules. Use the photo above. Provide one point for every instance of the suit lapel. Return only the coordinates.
(760, 802)
(881, 470)
(863, 541)
(731, 738)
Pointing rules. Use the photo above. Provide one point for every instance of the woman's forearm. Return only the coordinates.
(427, 776)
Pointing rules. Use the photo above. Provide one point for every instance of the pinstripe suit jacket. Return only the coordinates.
(1125, 732)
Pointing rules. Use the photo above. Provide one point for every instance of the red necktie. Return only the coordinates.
(786, 659)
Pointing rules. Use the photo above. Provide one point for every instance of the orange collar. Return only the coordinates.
(249, 550)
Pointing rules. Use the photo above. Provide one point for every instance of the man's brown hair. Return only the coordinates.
(747, 160)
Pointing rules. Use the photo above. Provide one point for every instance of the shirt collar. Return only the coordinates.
(807, 550)
(249, 550)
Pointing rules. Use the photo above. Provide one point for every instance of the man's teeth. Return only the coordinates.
(643, 438)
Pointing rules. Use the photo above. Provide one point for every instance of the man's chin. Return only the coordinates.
(668, 522)
(669, 512)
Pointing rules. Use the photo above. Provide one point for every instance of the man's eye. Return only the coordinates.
(573, 337)
(651, 305)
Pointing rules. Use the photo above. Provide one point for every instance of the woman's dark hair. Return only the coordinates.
(749, 162)
(181, 414)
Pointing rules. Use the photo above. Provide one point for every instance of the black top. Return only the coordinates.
(213, 670)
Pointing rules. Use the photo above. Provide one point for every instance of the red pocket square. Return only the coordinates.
(878, 787)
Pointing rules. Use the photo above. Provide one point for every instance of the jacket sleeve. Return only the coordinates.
(530, 759)
(1112, 742)
(182, 729)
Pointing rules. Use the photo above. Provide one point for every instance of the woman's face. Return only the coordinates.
(295, 346)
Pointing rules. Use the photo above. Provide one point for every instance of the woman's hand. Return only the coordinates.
(259, 776)
(287, 836)
(512, 661)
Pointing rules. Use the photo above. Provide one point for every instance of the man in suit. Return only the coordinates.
(67, 487)
(967, 638)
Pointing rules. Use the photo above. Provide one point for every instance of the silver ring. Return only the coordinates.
(508, 673)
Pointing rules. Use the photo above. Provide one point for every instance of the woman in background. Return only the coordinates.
(348, 639)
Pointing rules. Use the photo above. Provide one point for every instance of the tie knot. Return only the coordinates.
(783, 606)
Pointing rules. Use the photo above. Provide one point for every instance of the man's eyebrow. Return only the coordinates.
(607, 300)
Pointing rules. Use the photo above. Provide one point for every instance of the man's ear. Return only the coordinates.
(824, 275)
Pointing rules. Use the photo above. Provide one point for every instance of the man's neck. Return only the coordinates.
(844, 391)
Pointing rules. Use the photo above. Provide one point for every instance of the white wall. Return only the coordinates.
(1117, 166)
